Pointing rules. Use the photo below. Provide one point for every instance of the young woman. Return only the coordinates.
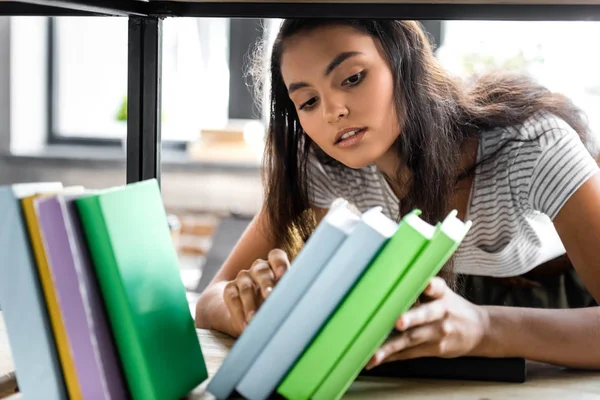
(362, 110)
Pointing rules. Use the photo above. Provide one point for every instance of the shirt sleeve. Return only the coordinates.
(561, 166)
(321, 191)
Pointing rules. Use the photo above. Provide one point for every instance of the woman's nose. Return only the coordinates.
(334, 110)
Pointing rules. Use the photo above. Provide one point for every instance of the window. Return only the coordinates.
(557, 54)
(203, 85)
(204, 62)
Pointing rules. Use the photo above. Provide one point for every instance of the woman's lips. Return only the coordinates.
(352, 140)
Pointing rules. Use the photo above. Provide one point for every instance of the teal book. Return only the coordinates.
(137, 269)
(411, 237)
(448, 236)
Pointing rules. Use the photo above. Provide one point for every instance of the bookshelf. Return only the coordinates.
(145, 39)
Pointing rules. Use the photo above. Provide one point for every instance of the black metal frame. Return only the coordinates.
(425, 11)
(145, 41)
(144, 98)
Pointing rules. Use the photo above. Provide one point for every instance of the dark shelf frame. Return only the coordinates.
(145, 42)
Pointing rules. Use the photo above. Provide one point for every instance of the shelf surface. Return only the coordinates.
(518, 10)
(428, 2)
(523, 10)
(74, 7)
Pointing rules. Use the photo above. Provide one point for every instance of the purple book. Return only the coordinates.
(88, 330)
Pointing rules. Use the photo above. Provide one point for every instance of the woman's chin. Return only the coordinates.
(356, 162)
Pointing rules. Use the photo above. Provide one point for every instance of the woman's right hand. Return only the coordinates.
(245, 294)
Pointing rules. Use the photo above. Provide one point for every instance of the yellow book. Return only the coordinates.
(60, 335)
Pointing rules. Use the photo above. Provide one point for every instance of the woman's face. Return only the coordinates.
(342, 88)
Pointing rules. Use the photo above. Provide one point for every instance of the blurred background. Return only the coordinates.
(63, 84)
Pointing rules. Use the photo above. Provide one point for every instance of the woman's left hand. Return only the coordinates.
(446, 325)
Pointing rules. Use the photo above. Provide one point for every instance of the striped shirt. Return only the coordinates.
(515, 194)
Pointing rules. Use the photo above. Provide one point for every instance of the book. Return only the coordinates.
(334, 228)
(317, 304)
(357, 308)
(87, 329)
(30, 336)
(137, 269)
(448, 236)
(512, 369)
(54, 310)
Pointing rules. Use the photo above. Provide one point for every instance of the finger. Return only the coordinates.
(405, 341)
(278, 260)
(247, 291)
(263, 276)
(231, 296)
(423, 314)
(436, 288)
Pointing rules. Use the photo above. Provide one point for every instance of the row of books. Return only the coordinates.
(91, 294)
(336, 305)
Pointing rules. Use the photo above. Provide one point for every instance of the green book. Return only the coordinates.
(411, 284)
(357, 308)
(137, 269)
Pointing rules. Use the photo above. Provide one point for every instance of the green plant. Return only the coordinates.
(121, 114)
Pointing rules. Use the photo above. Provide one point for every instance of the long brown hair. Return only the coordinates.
(438, 112)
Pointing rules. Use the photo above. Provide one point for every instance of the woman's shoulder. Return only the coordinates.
(542, 161)
(542, 127)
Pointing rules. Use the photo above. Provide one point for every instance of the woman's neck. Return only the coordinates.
(398, 175)
(394, 171)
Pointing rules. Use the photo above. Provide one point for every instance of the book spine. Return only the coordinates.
(117, 307)
(354, 312)
(374, 334)
(54, 311)
(311, 312)
(308, 264)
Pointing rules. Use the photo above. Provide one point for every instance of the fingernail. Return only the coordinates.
(281, 270)
(269, 290)
(404, 321)
(250, 315)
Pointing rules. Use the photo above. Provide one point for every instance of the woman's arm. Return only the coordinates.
(211, 310)
(566, 337)
(450, 326)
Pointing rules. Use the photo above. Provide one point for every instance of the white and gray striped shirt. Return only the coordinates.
(515, 194)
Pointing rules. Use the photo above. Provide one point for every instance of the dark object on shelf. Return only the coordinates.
(226, 235)
(461, 368)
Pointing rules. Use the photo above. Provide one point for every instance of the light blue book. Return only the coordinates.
(333, 229)
(317, 304)
(30, 337)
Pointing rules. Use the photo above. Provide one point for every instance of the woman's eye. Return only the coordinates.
(308, 104)
(354, 79)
